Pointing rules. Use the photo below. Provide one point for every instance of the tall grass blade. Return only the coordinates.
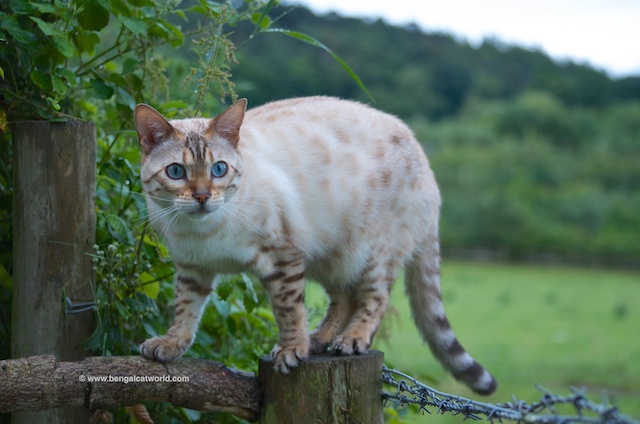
(316, 43)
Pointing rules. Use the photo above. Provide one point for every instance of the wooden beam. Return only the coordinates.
(42, 383)
(54, 223)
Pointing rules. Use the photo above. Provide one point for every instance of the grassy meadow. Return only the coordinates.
(553, 326)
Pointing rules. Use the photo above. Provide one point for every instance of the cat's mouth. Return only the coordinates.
(203, 210)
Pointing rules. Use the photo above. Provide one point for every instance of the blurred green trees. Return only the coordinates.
(532, 176)
(533, 157)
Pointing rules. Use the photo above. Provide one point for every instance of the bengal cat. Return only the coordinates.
(319, 188)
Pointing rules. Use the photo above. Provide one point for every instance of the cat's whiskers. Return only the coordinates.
(146, 220)
(247, 200)
(178, 214)
(235, 211)
(156, 216)
(232, 223)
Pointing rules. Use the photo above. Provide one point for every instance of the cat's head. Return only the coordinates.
(190, 166)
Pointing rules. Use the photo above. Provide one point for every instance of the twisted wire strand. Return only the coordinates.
(408, 390)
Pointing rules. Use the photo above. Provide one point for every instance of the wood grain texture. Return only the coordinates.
(53, 231)
(324, 389)
(41, 382)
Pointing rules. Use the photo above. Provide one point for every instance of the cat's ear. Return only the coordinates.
(228, 123)
(151, 126)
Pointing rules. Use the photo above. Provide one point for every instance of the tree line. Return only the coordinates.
(532, 155)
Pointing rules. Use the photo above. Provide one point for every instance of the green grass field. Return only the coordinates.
(553, 326)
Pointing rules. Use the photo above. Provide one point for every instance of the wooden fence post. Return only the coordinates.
(324, 389)
(53, 230)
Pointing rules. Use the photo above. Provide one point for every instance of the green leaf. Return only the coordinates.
(262, 21)
(119, 7)
(1, 72)
(46, 28)
(59, 86)
(119, 229)
(123, 311)
(136, 26)
(43, 7)
(201, 10)
(178, 35)
(68, 75)
(212, 7)
(221, 306)
(64, 46)
(102, 90)
(164, 30)
(143, 3)
(164, 252)
(149, 328)
(224, 288)
(149, 287)
(11, 26)
(41, 80)
(93, 15)
(123, 97)
(191, 414)
(106, 4)
(250, 296)
(316, 43)
(86, 41)
(130, 65)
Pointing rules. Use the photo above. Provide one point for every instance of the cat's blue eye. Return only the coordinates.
(175, 171)
(219, 169)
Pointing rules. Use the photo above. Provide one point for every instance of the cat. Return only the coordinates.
(318, 187)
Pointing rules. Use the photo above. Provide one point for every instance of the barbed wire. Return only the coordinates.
(411, 391)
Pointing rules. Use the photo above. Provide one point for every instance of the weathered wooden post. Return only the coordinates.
(324, 389)
(53, 230)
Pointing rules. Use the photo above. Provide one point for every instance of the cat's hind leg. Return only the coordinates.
(369, 300)
(190, 299)
(336, 318)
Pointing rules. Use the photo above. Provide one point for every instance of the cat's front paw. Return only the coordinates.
(164, 348)
(346, 345)
(288, 357)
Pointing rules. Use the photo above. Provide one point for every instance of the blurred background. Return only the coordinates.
(537, 156)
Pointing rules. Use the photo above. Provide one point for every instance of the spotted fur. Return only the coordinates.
(317, 188)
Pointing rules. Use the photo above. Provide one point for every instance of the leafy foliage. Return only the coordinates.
(58, 52)
(533, 176)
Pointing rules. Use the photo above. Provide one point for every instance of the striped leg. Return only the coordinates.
(335, 320)
(190, 299)
(370, 303)
(286, 290)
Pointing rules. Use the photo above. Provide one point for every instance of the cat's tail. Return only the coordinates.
(422, 284)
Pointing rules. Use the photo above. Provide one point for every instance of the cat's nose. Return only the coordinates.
(202, 196)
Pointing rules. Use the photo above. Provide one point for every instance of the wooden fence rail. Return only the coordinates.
(323, 389)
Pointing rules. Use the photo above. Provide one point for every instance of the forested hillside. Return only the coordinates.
(533, 156)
